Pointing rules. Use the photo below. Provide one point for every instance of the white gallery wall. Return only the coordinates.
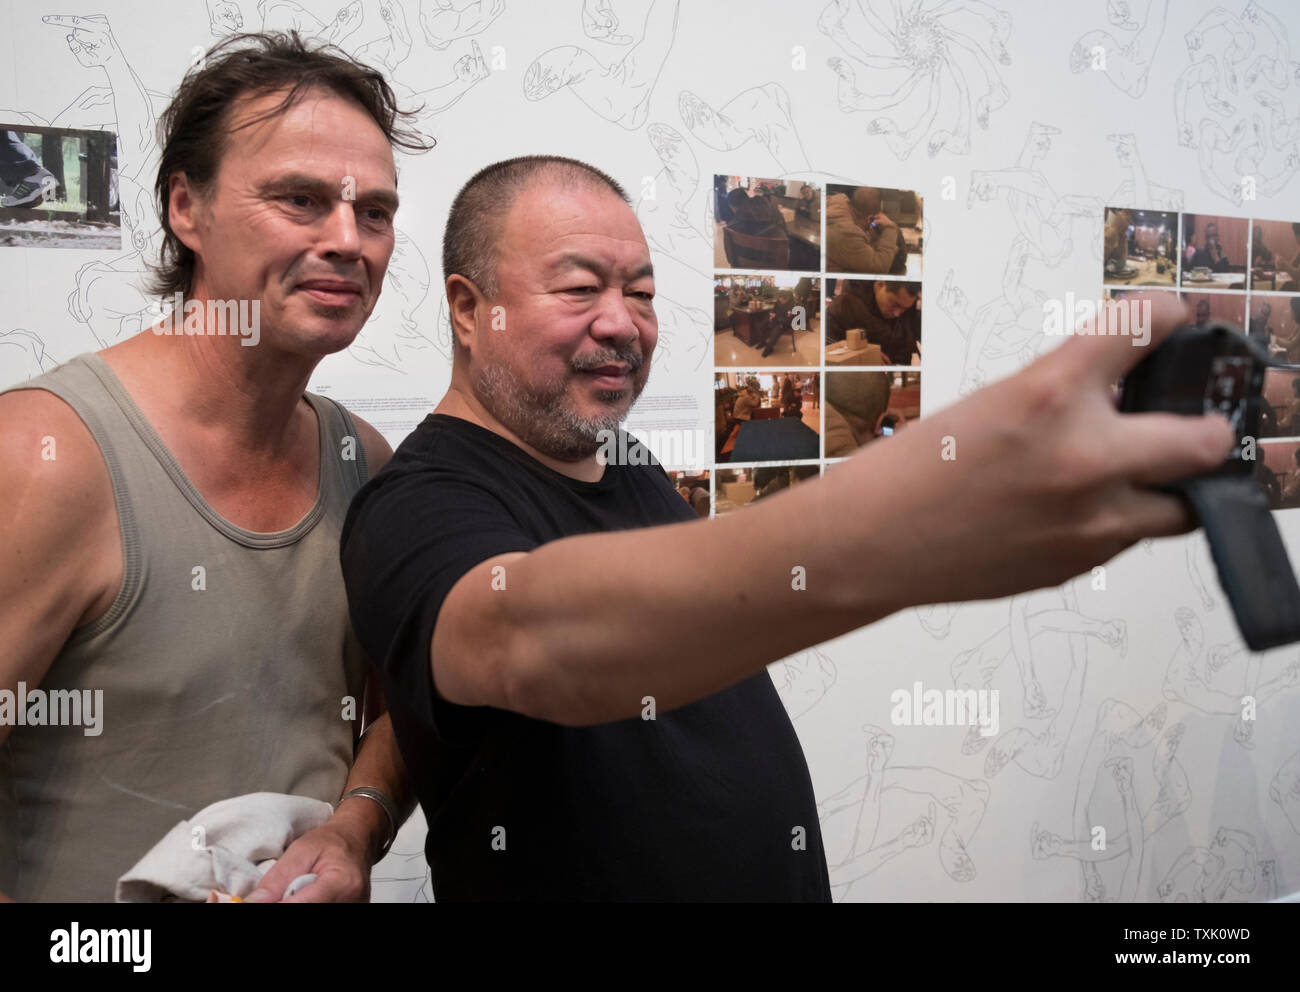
(1114, 691)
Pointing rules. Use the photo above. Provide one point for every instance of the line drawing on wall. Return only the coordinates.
(850, 818)
(1219, 96)
(1039, 753)
(385, 340)
(803, 680)
(1106, 780)
(445, 21)
(619, 91)
(1138, 190)
(943, 52)
(1230, 866)
(22, 357)
(600, 23)
(675, 209)
(685, 329)
(936, 618)
(1126, 62)
(1194, 670)
(1284, 790)
(1006, 333)
(760, 114)
(1197, 552)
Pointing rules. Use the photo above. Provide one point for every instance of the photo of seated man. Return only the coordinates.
(766, 224)
(1214, 251)
(1275, 323)
(863, 406)
(1275, 256)
(694, 488)
(873, 231)
(1229, 307)
(761, 417)
(743, 486)
(1281, 409)
(1279, 473)
(766, 320)
(873, 322)
(1139, 247)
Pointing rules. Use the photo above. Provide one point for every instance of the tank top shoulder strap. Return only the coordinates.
(346, 469)
(81, 383)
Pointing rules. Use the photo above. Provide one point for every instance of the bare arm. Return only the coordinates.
(60, 553)
(1053, 481)
(60, 558)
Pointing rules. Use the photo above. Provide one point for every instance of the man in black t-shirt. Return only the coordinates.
(667, 796)
(582, 706)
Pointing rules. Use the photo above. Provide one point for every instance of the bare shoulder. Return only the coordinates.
(49, 453)
(59, 522)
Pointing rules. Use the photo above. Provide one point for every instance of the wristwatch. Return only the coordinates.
(1215, 368)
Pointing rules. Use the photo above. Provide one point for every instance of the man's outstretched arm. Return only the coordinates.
(1021, 485)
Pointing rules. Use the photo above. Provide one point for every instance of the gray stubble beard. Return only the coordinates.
(544, 420)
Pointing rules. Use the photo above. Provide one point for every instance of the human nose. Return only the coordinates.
(339, 237)
(613, 319)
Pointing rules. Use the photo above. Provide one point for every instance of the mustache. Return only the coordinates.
(627, 355)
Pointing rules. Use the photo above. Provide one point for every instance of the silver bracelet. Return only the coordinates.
(389, 807)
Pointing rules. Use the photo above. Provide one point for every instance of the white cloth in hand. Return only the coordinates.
(228, 847)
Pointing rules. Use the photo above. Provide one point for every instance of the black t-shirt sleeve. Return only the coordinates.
(408, 540)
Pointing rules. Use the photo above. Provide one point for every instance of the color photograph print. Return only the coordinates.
(1275, 256)
(873, 231)
(862, 407)
(58, 188)
(767, 417)
(693, 487)
(767, 224)
(1213, 252)
(1140, 247)
(872, 322)
(766, 320)
(745, 486)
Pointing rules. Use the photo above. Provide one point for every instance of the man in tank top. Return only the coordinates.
(173, 622)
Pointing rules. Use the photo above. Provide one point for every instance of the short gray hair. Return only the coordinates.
(474, 226)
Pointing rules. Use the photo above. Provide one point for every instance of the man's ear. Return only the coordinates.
(463, 302)
(184, 205)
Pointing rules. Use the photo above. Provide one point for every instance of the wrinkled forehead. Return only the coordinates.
(553, 225)
(320, 126)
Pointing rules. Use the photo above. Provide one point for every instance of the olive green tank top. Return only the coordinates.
(224, 662)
